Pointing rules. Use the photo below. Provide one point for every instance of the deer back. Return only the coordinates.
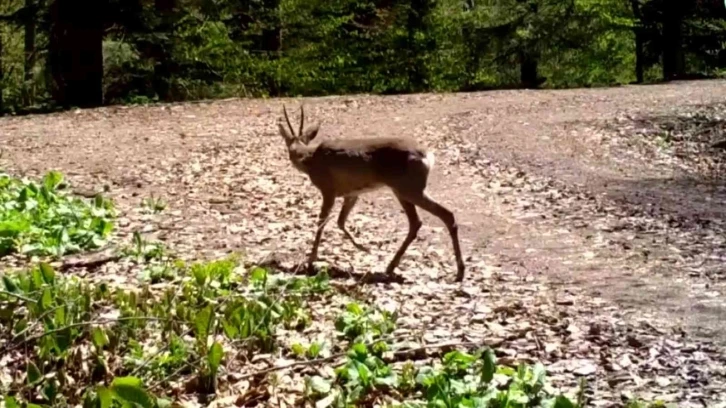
(354, 166)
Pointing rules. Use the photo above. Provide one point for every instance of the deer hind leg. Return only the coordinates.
(348, 204)
(423, 200)
(326, 208)
(414, 225)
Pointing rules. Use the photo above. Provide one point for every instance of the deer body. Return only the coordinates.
(350, 167)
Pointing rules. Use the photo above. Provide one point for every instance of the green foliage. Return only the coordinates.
(154, 204)
(460, 379)
(205, 49)
(42, 219)
(132, 337)
(144, 251)
(359, 324)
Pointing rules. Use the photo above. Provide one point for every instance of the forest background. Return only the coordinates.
(83, 53)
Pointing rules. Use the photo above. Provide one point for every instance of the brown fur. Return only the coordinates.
(351, 167)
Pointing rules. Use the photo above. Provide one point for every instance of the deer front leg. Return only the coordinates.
(348, 204)
(414, 224)
(327, 206)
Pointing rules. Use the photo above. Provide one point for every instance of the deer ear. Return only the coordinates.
(310, 133)
(285, 133)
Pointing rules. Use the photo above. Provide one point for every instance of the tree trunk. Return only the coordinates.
(417, 13)
(161, 51)
(271, 40)
(2, 75)
(473, 56)
(673, 57)
(528, 70)
(470, 37)
(271, 32)
(30, 29)
(528, 60)
(75, 54)
(638, 31)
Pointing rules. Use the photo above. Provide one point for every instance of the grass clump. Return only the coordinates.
(41, 219)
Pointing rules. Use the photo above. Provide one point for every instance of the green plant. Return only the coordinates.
(42, 219)
(159, 273)
(154, 204)
(460, 379)
(359, 324)
(153, 335)
(311, 351)
(144, 251)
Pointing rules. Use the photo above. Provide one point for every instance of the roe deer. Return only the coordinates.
(350, 167)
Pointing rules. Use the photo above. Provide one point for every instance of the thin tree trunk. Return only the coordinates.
(161, 52)
(2, 75)
(638, 31)
(468, 33)
(75, 54)
(528, 70)
(417, 14)
(673, 57)
(271, 40)
(30, 31)
(528, 61)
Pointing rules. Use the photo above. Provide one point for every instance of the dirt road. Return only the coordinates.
(565, 199)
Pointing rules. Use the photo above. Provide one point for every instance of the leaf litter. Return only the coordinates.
(222, 170)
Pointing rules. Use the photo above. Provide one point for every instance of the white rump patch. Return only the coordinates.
(429, 160)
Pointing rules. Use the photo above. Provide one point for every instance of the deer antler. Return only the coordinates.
(302, 120)
(284, 110)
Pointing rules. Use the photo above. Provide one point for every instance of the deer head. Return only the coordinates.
(297, 144)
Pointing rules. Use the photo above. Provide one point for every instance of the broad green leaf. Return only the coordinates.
(298, 349)
(48, 273)
(214, 357)
(50, 390)
(52, 179)
(354, 308)
(539, 374)
(360, 349)
(390, 380)
(46, 299)
(163, 403)
(20, 325)
(33, 373)
(131, 389)
(63, 339)
(202, 323)
(364, 373)
(100, 339)
(11, 402)
(60, 316)
(490, 366)
(319, 385)
(105, 397)
(563, 402)
(326, 402)
(37, 277)
(314, 350)
(10, 285)
(258, 275)
(230, 330)
(200, 275)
